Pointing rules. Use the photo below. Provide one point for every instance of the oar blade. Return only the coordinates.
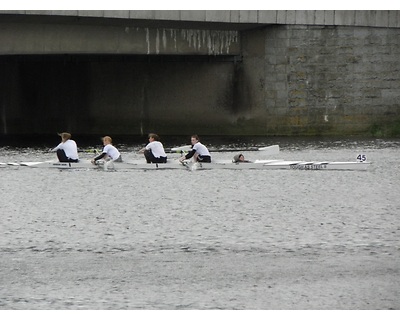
(274, 149)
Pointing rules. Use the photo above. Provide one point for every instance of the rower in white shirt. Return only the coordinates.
(109, 153)
(199, 151)
(154, 150)
(67, 150)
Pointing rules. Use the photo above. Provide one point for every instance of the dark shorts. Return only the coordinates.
(204, 159)
(150, 158)
(63, 158)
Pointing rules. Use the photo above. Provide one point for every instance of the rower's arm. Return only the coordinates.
(56, 148)
(190, 154)
(101, 156)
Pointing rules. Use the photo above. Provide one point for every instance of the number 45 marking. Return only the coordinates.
(362, 157)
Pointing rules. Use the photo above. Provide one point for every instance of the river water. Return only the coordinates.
(212, 239)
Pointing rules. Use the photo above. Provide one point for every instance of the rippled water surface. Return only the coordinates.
(213, 239)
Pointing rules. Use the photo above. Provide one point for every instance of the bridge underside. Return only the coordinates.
(117, 76)
(120, 77)
(72, 35)
(118, 94)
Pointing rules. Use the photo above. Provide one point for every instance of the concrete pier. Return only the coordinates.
(209, 72)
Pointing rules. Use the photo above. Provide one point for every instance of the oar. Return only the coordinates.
(269, 150)
(95, 151)
(181, 149)
(274, 149)
(13, 164)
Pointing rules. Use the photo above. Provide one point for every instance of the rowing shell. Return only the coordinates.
(228, 164)
(288, 165)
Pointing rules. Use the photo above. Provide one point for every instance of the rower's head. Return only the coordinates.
(238, 158)
(107, 140)
(65, 136)
(153, 137)
(194, 139)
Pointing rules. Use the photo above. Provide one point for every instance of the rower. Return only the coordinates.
(154, 150)
(67, 150)
(109, 153)
(199, 151)
(239, 158)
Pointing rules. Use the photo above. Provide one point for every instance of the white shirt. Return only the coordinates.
(70, 149)
(201, 149)
(111, 151)
(156, 148)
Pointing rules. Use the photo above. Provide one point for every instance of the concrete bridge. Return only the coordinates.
(210, 72)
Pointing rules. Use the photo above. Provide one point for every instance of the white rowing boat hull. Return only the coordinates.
(288, 165)
(317, 165)
(174, 164)
(83, 164)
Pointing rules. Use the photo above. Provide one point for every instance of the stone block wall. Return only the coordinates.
(325, 79)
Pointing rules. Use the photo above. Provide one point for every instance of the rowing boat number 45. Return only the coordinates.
(362, 157)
